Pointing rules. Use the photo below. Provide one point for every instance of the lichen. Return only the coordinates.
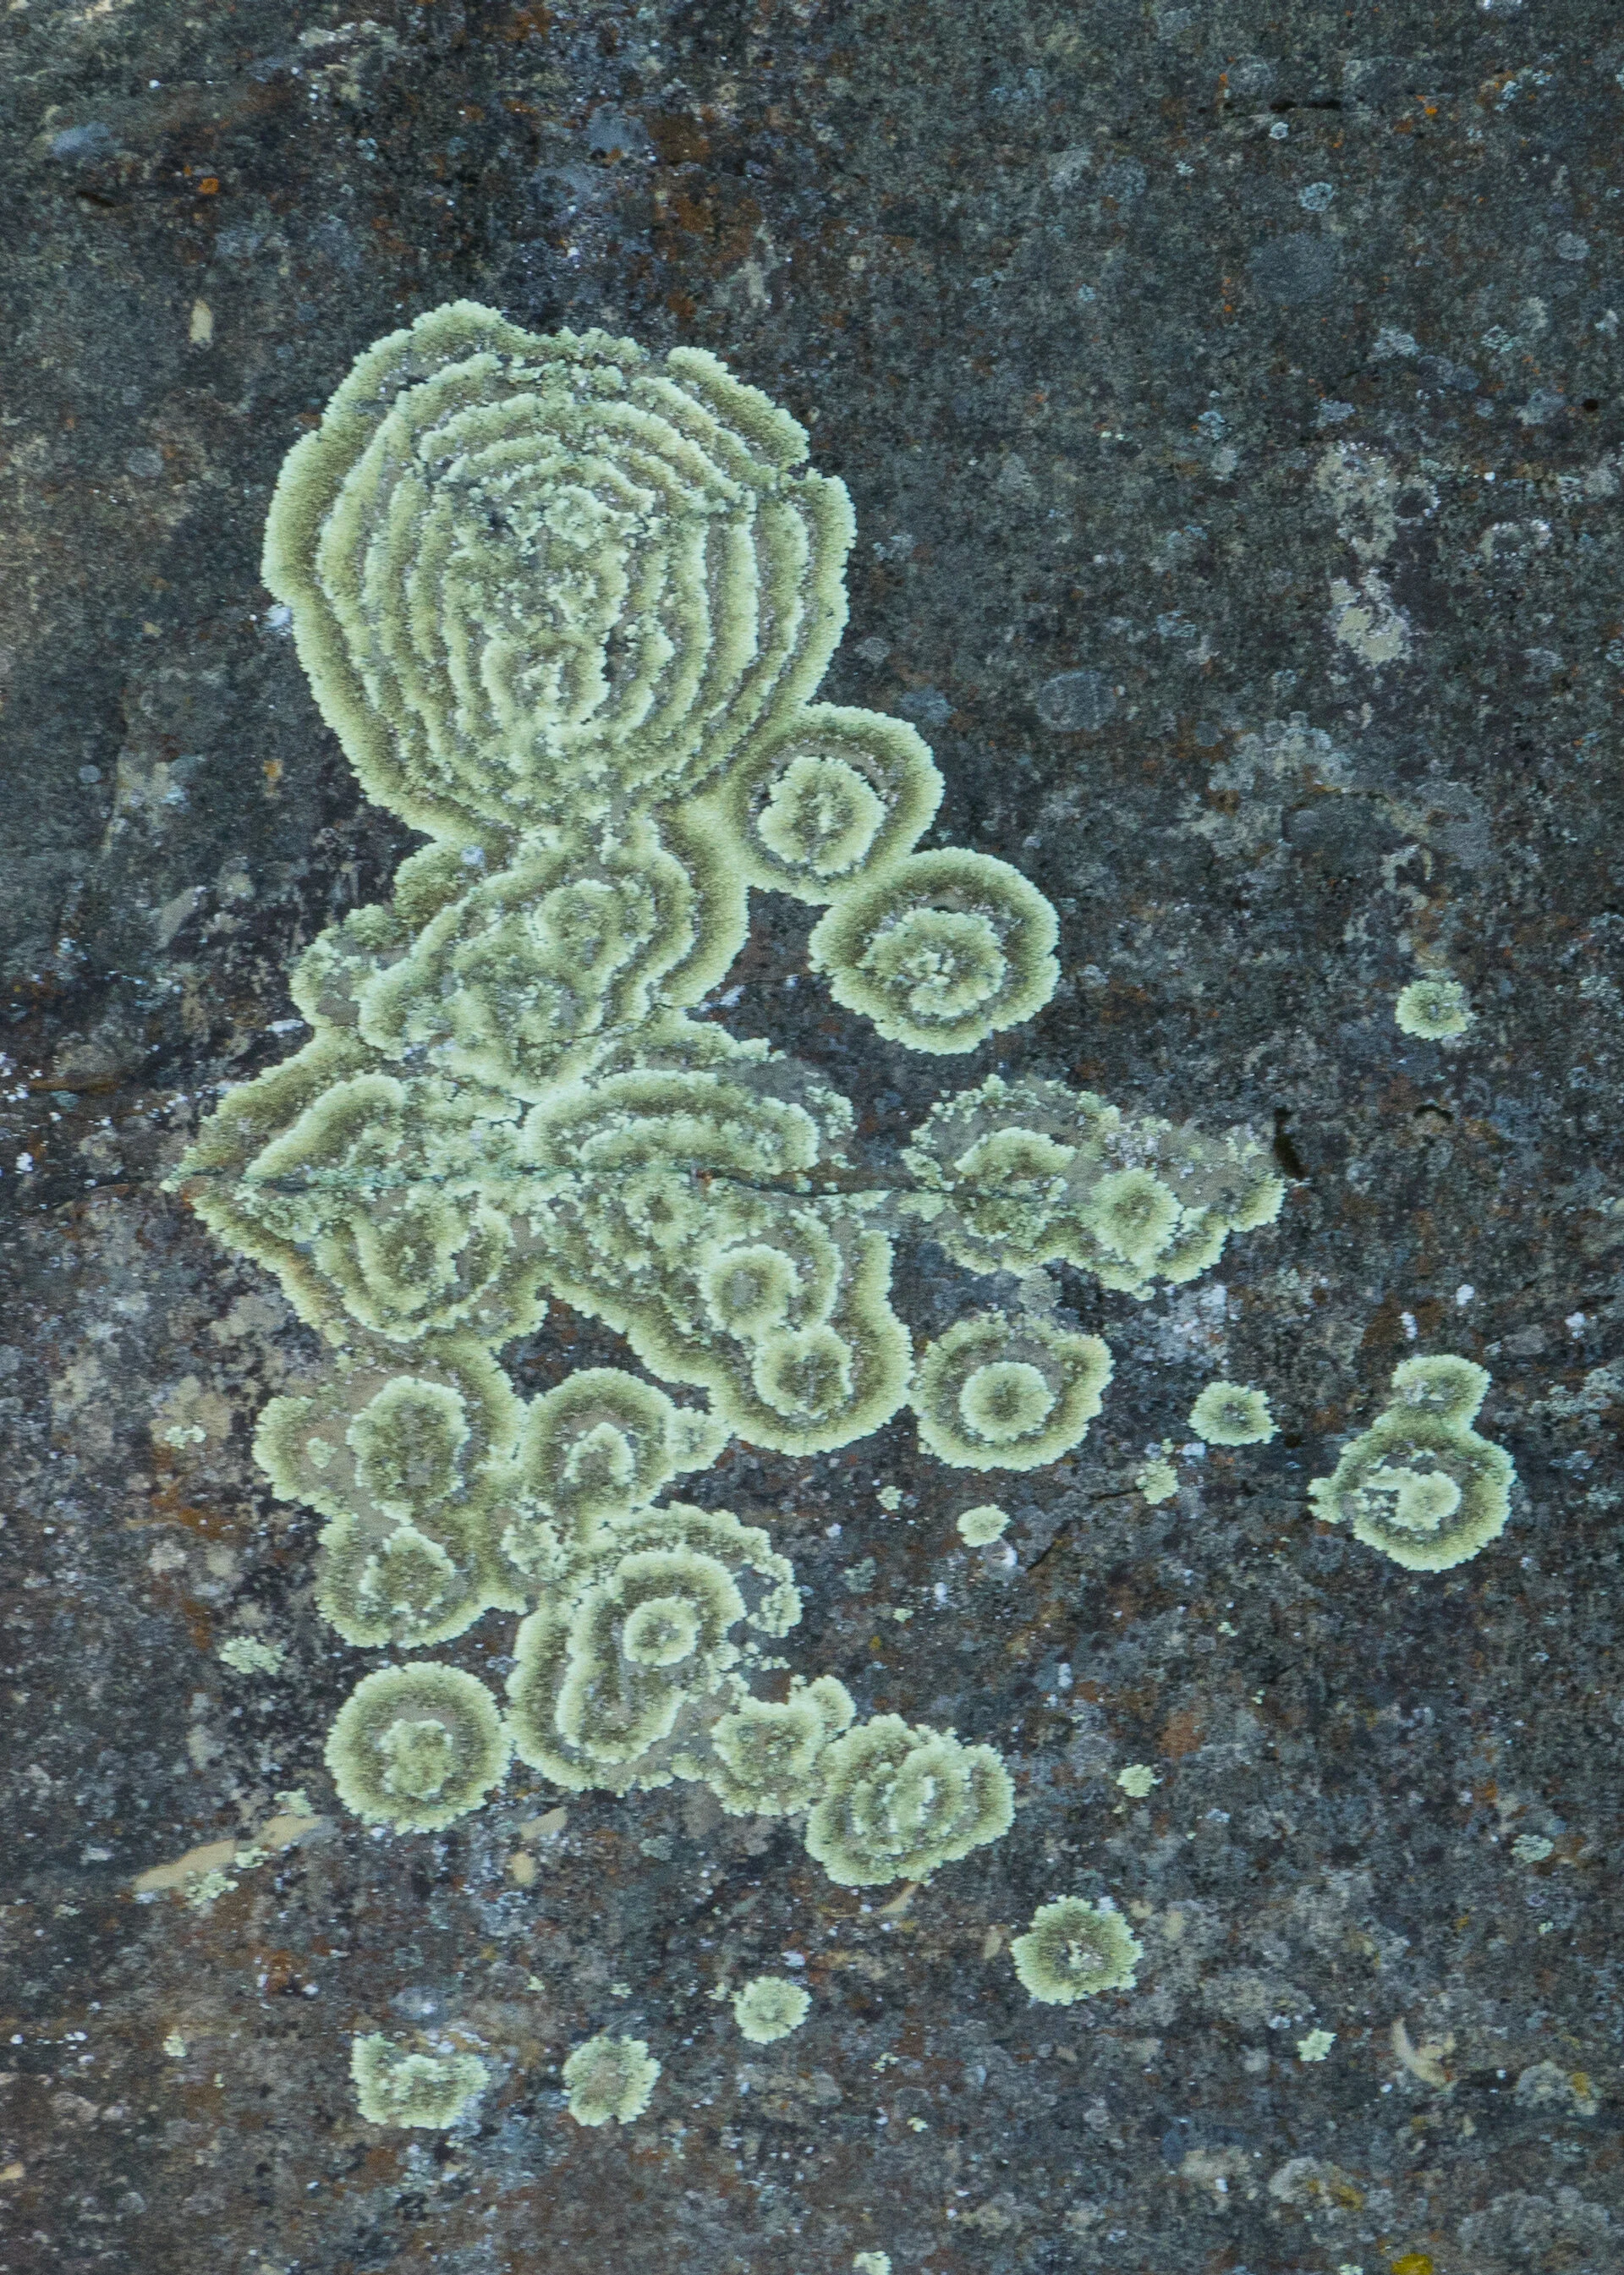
(566, 607)
(396, 2086)
(1232, 1413)
(1136, 1779)
(1013, 1176)
(766, 1758)
(995, 1393)
(417, 1747)
(1316, 2045)
(1436, 1009)
(1158, 1480)
(769, 2007)
(249, 1656)
(980, 1526)
(613, 1678)
(609, 2077)
(1073, 1950)
(1420, 1483)
(940, 949)
(899, 1802)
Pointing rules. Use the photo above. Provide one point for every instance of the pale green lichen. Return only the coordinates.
(1158, 1480)
(1013, 1176)
(872, 2262)
(1420, 1483)
(980, 1526)
(1074, 1950)
(417, 1747)
(396, 2086)
(1232, 1414)
(614, 1682)
(249, 1656)
(567, 606)
(940, 949)
(899, 1802)
(769, 2008)
(836, 797)
(994, 1393)
(1316, 2045)
(1436, 1009)
(766, 1758)
(609, 2077)
(1136, 1779)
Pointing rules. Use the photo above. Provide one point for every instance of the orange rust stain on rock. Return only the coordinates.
(1180, 1732)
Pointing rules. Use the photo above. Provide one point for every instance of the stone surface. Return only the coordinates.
(1260, 365)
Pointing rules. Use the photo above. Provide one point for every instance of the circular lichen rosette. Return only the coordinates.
(529, 574)
(940, 949)
(898, 1801)
(1449, 1388)
(389, 1444)
(609, 2077)
(1232, 1414)
(514, 983)
(408, 1468)
(417, 1747)
(616, 1680)
(1435, 1009)
(1428, 1492)
(833, 797)
(764, 1754)
(996, 1393)
(1074, 1950)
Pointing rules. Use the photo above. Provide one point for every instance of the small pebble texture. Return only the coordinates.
(1229, 400)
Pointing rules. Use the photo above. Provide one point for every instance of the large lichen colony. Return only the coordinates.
(566, 608)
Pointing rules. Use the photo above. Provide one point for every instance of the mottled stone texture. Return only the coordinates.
(1196, 370)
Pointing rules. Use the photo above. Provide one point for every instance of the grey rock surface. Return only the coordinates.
(1229, 400)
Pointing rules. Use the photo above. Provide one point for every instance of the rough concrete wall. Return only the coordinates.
(1228, 397)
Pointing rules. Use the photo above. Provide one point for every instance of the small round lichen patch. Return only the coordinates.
(769, 2007)
(416, 1747)
(980, 1526)
(872, 2262)
(1230, 1414)
(1158, 1480)
(393, 2087)
(609, 2077)
(1316, 2045)
(1136, 1779)
(1436, 1009)
(1073, 1950)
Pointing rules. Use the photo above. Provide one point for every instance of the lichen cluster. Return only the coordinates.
(1420, 1483)
(567, 609)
